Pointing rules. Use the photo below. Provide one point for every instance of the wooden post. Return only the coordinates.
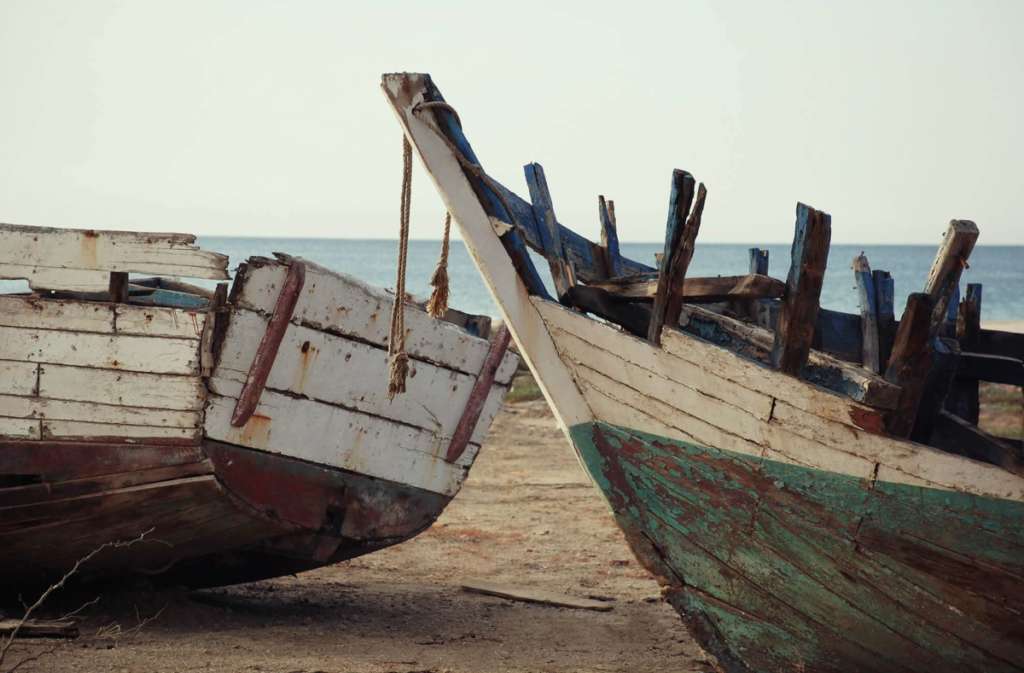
(868, 299)
(885, 314)
(544, 211)
(609, 237)
(963, 398)
(478, 395)
(799, 311)
(266, 352)
(759, 261)
(950, 261)
(680, 236)
(945, 359)
(910, 362)
(118, 288)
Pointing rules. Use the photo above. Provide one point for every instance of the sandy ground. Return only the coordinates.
(527, 516)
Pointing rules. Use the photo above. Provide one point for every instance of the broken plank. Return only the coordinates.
(609, 236)
(544, 212)
(799, 311)
(38, 628)
(531, 595)
(885, 315)
(910, 362)
(680, 237)
(867, 299)
(950, 261)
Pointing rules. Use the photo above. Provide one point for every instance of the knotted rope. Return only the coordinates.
(399, 360)
(438, 304)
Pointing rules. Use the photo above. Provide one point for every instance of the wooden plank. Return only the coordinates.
(13, 406)
(819, 369)
(945, 356)
(155, 391)
(544, 212)
(341, 304)
(959, 436)
(118, 286)
(532, 595)
(266, 352)
(999, 342)
(910, 361)
(795, 330)
(39, 628)
(56, 314)
(130, 353)
(478, 396)
(885, 316)
(758, 261)
(680, 236)
(81, 259)
(18, 378)
(159, 321)
(963, 398)
(867, 298)
(20, 428)
(991, 368)
(609, 236)
(341, 438)
(950, 261)
(99, 432)
(698, 290)
(348, 373)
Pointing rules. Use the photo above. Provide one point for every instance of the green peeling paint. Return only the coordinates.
(781, 566)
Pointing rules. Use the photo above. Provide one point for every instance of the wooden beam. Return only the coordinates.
(991, 368)
(699, 290)
(544, 211)
(532, 595)
(938, 381)
(680, 236)
(609, 236)
(950, 261)
(963, 399)
(479, 394)
(885, 314)
(266, 353)
(868, 300)
(999, 342)
(118, 288)
(795, 330)
(910, 362)
(38, 628)
(958, 436)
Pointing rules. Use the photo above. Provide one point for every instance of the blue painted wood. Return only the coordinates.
(162, 297)
(609, 238)
(675, 253)
(868, 301)
(885, 296)
(544, 211)
(759, 261)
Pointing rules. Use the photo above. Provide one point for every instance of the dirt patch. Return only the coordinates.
(527, 516)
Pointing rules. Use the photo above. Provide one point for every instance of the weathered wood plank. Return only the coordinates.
(885, 315)
(867, 298)
(959, 436)
(531, 595)
(478, 395)
(820, 369)
(13, 406)
(311, 364)
(38, 628)
(99, 317)
(991, 368)
(758, 261)
(159, 321)
(344, 305)
(156, 391)
(81, 259)
(950, 261)
(799, 313)
(19, 428)
(910, 362)
(18, 378)
(349, 440)
(698, 290)
(676, 255)
(609, 236)
(99, 432)
(945, 356)
(270, 342)
(998, 342)
(131, 353)
(544, 212)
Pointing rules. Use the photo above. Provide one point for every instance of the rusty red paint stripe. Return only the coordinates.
(266, 353)
(478, 396)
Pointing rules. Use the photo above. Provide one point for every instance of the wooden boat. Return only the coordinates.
(805, 493)
(245, 436)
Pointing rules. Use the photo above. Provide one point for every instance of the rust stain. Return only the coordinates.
(256, 431)
(307, 356)
(89, 239)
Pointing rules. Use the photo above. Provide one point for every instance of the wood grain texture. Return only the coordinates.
(950, 261)
(544, 213)
(698, 290)
(868, 300)
(910, 361)
(680, 238)
(885, 300)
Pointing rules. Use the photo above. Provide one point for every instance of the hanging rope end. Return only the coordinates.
(398, 372)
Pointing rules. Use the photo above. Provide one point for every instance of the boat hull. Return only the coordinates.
(779, 566)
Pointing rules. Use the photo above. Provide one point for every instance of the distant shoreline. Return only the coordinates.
(1004, 325)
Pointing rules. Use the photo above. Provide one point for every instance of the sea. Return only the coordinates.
(1000, 269)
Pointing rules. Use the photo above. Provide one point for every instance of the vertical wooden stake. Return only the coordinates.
(885, 314)
(867, 297)
(910, 362)
(963, 399)
(950, 261)
(679, 241)
(544, 212)
(118, 287)
(609, 237)
(799, 311)
(759, 261)
(478, 395)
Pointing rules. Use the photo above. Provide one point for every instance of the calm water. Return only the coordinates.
(999, 268)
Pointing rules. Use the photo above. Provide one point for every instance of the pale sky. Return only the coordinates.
(252, 118)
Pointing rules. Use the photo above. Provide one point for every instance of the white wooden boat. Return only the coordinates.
(120, 411)
(775, 489)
